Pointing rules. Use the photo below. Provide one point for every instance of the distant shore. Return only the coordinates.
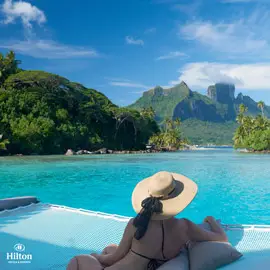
(246, 151)
(70, 152)
(105, 151)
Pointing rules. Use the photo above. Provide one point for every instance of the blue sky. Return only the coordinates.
(125, 47)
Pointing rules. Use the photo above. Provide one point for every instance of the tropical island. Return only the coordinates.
(206, 119)
(43, 113)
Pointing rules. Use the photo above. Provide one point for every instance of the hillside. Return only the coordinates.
(44, 113)
(202, 133)
(162, 100)
(206, 119)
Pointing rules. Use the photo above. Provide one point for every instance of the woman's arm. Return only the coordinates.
(215, 226)
(197, 234)
(122, 249)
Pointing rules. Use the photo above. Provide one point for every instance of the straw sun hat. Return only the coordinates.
(175, 192)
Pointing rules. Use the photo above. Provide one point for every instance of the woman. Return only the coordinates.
(154, 236)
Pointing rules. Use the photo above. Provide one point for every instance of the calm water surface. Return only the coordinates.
(232, 186)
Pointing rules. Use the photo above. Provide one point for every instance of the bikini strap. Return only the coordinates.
(141, 255)
(145, 257)
(162, 225)
(153, 263)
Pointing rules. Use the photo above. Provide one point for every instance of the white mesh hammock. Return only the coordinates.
(49, 235)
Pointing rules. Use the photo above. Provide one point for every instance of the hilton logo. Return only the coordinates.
(19, 247)
(19, 256)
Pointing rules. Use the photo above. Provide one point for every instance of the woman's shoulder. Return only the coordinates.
(182, 221)
(179, 231)
(130, 225)
(182, 224)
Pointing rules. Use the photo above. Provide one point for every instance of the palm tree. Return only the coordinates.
(151, 112)
(261, 106)
(243, 109)
(240, 117)
(122, 117)
(241, 132)
(252, 132)
(238, 138)
(261, 123)
(248, 124)
(3, 143)
(8, 65)
(177, 122)
(168, 124)
(157, 140)
(143, 112)
(148, 112)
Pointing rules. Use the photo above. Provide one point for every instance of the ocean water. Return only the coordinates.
(233, 187)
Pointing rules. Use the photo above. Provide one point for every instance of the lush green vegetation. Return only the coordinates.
(254, 132)
(205, 121)
(162, 100)
(203, 133)
(170, 136)
(44, 113)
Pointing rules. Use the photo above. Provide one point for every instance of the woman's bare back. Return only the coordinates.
(172, 240)
(151, 245)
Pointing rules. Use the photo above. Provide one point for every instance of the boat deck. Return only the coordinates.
(53, 234)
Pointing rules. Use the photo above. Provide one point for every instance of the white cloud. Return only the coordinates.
(47, 49)
(244, 76)
(150, 30)
(172, 55)
(133, 41)
(248, 37)
(129, 84)
(29, 14)
(24, 11)
(224, 37)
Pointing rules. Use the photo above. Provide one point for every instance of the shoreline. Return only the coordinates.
(105, 151)
(95, 153)
(254, 152)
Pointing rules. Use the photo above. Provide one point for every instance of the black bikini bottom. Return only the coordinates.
(153, 263)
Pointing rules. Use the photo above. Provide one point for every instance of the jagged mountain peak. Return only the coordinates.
(219, 105)
(184, 84)
(240, 96)
(213, 115)
(158, 87)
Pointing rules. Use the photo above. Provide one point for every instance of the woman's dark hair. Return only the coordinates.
(150, 205)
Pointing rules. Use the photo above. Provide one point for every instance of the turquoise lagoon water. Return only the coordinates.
(232, 186)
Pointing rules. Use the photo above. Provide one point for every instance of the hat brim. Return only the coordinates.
(171, 206)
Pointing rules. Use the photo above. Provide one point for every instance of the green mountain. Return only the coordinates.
(206, 119)
(44, 113)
